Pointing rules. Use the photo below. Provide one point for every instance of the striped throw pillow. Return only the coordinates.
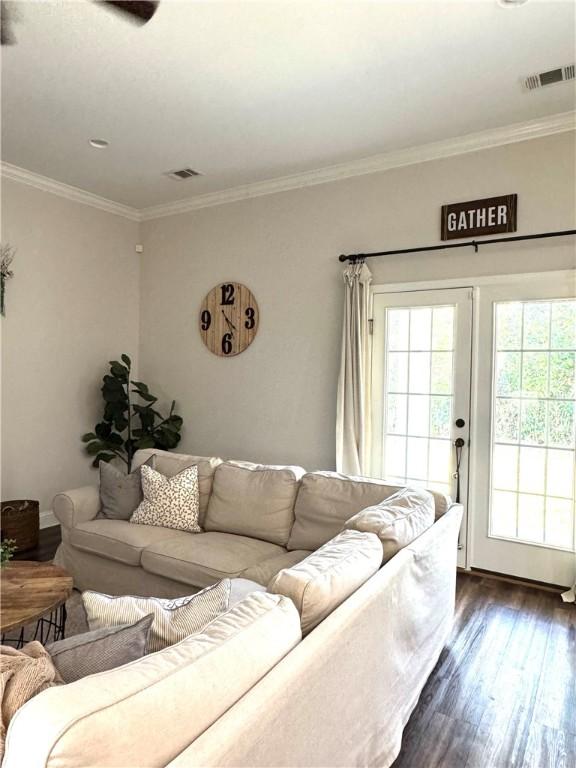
(174, 619)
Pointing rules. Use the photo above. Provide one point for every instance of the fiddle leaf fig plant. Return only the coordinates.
(130, 421)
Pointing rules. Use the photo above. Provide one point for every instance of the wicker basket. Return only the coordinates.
(20, 520)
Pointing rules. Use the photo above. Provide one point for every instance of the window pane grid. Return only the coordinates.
(418, 396)
(533, 423)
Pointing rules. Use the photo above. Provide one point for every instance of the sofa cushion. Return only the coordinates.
(397, 520)
(265, 570)
(171, 502)
(119, 540)
(120, 493)
(171, 463)
(253, 500)
(149, 711)
(318, 584)
(203, 558)
(173, 618)
(91, 652)
(327, 499)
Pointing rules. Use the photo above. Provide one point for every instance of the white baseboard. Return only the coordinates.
(47, 519)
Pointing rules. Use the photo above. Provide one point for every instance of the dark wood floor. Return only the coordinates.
(503, 694)
(48, 542)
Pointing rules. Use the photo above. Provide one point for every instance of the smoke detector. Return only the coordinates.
(550, 77)
(183, 173)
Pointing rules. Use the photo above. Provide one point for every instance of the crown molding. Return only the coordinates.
(473, 142)
(14, 173)
(460, 145)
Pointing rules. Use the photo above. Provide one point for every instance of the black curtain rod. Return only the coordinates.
(472, 244)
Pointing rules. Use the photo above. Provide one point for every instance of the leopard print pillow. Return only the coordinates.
(170, 502)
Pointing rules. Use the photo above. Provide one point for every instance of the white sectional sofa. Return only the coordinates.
(249, 690)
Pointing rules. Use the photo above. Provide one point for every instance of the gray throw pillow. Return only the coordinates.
(120, 494)
(99, 650)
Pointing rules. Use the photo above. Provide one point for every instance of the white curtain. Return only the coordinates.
(570, 595)
(353, 404)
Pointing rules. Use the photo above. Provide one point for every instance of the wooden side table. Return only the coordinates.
(34, 591)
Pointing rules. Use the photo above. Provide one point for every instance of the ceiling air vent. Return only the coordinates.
(551, 77)
(183, 173)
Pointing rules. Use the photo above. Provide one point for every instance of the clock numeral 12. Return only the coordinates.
(227, 291)
(227, 343)
(250, 321)
(206, 320)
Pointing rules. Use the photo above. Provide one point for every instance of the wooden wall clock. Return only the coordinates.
(228, 319)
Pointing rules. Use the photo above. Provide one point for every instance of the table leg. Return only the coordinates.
(55, 624)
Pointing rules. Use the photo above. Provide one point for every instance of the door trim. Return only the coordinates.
(473, 282)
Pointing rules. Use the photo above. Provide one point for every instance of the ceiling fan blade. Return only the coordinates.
(6, 36)
(140, 11)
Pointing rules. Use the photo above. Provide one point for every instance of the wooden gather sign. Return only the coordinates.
(490, 216)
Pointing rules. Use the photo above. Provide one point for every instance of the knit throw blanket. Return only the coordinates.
(23, 674)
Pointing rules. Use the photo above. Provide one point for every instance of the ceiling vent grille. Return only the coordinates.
(183, 173)
(551, 77)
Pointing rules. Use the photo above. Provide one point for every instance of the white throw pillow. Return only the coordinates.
(169, 502)
(174, 619)
(397, 520)
(318, 584)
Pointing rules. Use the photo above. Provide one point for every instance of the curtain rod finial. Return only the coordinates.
(343, 257)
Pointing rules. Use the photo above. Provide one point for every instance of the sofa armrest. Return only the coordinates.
(77, 506)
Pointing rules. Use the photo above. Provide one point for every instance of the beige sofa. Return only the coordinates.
(248, 690)
(248, 534)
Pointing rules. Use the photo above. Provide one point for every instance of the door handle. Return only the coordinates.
(459, 443)
(460, 423)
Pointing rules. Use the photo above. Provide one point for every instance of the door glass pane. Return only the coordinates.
(533, 422)
(419, 392)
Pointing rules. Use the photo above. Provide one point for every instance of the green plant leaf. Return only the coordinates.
(145, 396)
(112, 382)
(166, 439)
(94, 447)
(118, 370)
(88, 437)
(145, 442)
(171, 427)
(103, 456)
(115, 439)
(126, 360)
(140, 385)
(103, 430)
(120, 422)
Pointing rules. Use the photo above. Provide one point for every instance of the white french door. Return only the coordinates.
(523, 491)
(421, 365)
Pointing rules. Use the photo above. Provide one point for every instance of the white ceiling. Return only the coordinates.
(247, 91)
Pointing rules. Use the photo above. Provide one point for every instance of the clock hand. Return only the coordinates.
(229, 322)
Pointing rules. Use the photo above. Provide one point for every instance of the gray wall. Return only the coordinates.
(71, 307)
(276, 401)
(81, 296)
